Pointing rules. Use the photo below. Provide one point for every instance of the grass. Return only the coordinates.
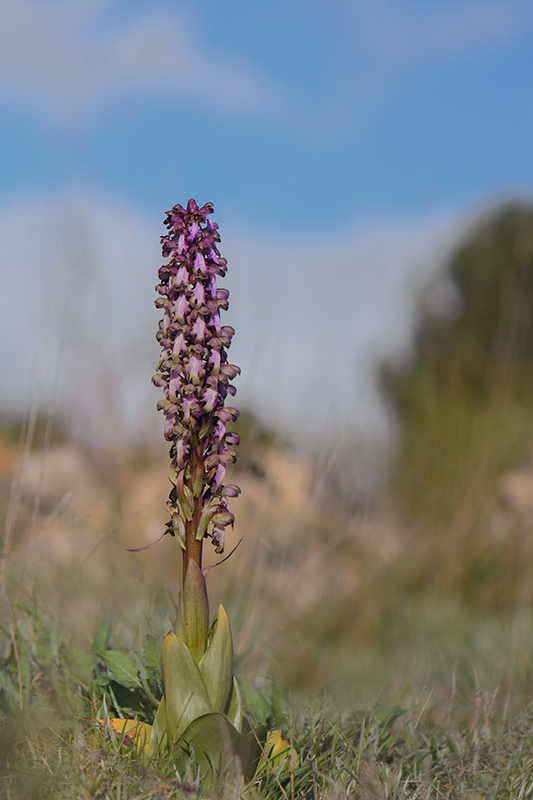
(454, 739)
(384, 687)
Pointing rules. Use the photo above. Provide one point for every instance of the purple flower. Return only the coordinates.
(195, 375)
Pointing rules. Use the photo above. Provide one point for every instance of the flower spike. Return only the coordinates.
(195, 376)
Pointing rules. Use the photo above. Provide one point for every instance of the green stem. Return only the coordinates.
(193, 547)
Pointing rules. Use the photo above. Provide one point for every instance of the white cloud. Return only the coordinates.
(66, 54)
(311, 316)
(78, 273)
(364, 51)
(317, 315)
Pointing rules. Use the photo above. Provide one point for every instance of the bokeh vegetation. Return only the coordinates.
(465, 411)
(391, 640)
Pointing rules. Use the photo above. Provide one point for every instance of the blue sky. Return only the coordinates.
(342, 142)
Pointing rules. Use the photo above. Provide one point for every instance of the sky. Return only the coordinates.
(345, 145)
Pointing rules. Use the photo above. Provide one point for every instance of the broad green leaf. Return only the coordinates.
(235, 708)
(192, 622)
(121, 668)
(216, 665)
(101, 636)
(185, 694)
(216, 743)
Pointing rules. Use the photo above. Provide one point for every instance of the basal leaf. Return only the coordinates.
(216, 743)
(185, 694)
(235, 707)
(216, 665)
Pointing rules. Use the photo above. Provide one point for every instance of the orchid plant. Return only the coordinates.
(201, 712)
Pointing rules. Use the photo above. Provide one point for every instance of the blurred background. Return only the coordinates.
(370, 166)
